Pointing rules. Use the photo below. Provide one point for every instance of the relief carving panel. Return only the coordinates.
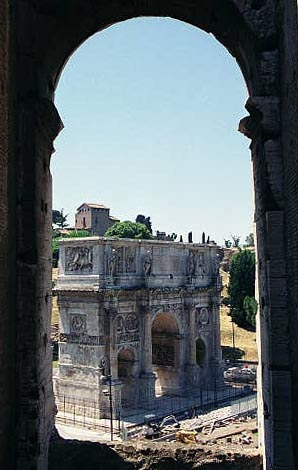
(191, 263)
(147, 264)
(127, 328)
(78, 324)
(202, 316)
(78, 259)
(130, 260)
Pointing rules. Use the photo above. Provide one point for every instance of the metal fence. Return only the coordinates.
(85, 413)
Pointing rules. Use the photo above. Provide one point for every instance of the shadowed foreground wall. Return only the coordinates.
(8, 387)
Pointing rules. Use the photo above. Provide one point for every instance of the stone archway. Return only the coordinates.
(126, 362)
(38, 38)
(166, 355)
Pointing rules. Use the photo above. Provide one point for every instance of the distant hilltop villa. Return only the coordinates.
(95, 218)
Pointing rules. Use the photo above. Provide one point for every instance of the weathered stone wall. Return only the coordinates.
(136, 263)
(288, 23)
(8, 392)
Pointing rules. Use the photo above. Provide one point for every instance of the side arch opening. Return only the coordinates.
(126, 362)
(200, 352)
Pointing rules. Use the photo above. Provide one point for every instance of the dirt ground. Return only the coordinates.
(143, 455)
(229, 446)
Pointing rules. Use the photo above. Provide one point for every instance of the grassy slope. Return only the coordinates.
(245, 340)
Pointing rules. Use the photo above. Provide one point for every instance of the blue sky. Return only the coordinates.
(151, 109)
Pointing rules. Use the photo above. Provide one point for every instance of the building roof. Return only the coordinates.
(93, 206)
(114, 218)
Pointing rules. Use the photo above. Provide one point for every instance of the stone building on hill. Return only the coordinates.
(144, 311)
(95, 218)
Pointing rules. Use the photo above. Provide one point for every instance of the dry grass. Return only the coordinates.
(245, 340)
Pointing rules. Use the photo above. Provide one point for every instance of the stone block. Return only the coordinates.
(277, 292)
(282, 442)
(275, 235)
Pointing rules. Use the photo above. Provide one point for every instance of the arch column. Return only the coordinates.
(274, 372)
(147, 377)
(193, 373)
(192, 337)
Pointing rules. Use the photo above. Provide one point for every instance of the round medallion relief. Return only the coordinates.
(131, 323)
(204, 316)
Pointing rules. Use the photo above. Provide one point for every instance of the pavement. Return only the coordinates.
(72, 432)
(102, 433)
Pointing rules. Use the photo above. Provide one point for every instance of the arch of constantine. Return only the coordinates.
(37, 37)
(144, 311)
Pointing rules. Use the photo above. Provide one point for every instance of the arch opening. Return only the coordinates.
(166, 354)
(126, 363)
(200, 352)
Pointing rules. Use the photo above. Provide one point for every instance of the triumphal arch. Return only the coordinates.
(145, 312)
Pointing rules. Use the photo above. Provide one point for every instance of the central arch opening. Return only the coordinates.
(166, 354)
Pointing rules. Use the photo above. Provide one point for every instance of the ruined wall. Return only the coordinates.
(8, 394)
(288, 22)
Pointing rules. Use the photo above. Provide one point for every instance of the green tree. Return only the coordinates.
(141, 219)
(250, 307)
(77, 234)
(249, 241)
(228, 243)
(242, 285)
(59, 218)
(236, 240)
(128, 229)
(55, 252)
(56, 216)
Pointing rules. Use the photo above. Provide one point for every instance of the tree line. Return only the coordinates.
(243, 305)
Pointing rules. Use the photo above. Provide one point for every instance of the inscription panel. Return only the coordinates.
(82, 339)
